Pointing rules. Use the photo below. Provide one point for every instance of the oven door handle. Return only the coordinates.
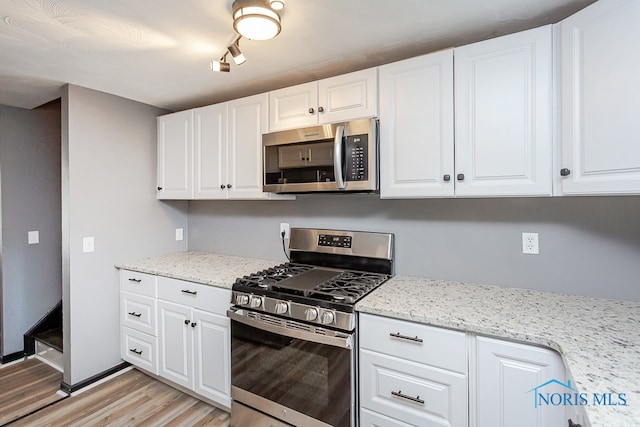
(339, 340)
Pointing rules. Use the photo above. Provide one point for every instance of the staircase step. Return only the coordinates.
(51, 338)
(50, 356)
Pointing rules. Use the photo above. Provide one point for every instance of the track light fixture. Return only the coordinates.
(254, 20)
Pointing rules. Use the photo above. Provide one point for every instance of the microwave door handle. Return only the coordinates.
(337, 157)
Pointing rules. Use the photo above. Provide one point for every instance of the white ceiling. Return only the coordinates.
(158, 51)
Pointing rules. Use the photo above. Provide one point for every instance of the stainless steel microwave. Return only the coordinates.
(336, 157)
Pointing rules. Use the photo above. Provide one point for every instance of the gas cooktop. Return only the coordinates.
(330, 270)
(311, 282)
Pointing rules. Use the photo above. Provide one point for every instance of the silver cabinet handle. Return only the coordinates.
(404, 337)
(404, 396)
(187, 291)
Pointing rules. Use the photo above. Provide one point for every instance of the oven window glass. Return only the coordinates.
(311, 378)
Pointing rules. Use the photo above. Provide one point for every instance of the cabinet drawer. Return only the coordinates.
(371, 419)
(195, 295)
(138, 312)
(139, 283)
(437, 347)
(410, 392)
(139, 349)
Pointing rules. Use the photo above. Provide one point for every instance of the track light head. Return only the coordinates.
(220, 65)
(234, 50)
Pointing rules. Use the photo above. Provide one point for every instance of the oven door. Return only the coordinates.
(299, 376)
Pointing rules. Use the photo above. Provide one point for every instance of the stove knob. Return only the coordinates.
(242, 299)
(281, 307)
(255, 302)
(327, 318)
(311, 314)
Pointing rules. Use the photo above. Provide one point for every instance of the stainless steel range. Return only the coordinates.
(293, 330)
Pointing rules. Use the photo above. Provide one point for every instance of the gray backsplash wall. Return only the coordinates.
(588, 245)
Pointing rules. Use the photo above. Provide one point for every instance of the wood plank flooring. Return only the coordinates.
(130, 399)
(25, 387)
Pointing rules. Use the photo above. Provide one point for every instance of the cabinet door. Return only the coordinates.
(503, 107)
(212, 353)
(175, 147)
(416, 127)
(506, 375)
(176, 343)
(210, 142)
(294, 106)
(599, 95)
(348, 97)
(247, 123)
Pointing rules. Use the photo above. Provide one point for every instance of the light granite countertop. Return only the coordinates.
(599, 339)
(200, 267)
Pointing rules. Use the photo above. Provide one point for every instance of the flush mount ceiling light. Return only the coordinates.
(276, 4)
(257, 19)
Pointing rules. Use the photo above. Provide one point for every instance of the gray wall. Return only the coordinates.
(30, 187)
(109, 193)
(588, 245)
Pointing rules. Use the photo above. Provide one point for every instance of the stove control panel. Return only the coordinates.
(334, 241)
(297, 311)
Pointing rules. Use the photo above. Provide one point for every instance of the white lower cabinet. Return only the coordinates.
(176, 343)
(411, 374)
(508, 377)
(418, 375)
(182, 335)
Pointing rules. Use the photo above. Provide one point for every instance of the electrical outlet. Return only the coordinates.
(284, 227)
(179, 234)
(530, 243)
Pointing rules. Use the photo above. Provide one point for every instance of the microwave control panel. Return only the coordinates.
(357, 155)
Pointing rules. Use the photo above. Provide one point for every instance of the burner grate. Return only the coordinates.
(349, 286)
(265, 278)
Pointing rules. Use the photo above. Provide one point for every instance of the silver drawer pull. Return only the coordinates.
(187, 291)
(404, 337)
(134, 314)
(135, 280)
(136, 351)
(404, 396)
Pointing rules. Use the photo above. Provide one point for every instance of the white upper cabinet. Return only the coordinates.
(210, 152)
(503, 115)
(346, 97)
(247, 122)
(599, 69)
(175, 173)
(416, 127)
(214, 152)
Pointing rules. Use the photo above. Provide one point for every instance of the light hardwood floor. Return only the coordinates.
(130, 399)
(26, 387)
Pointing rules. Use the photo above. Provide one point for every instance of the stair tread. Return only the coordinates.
(52, 337)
